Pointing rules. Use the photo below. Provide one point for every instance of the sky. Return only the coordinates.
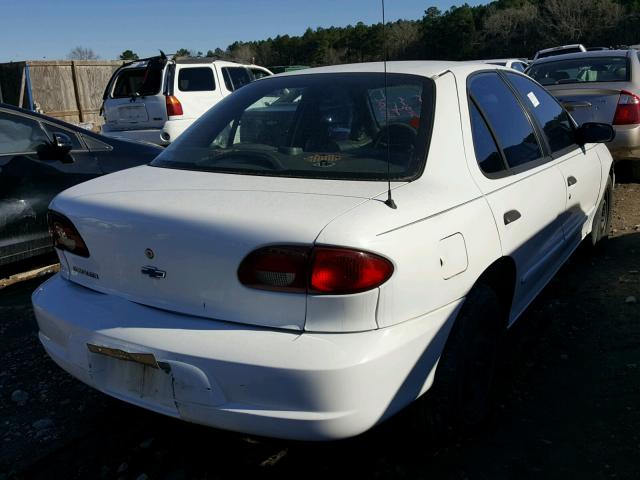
(49, 29)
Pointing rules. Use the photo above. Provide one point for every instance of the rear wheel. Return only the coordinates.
(460, 397)
(602, 219)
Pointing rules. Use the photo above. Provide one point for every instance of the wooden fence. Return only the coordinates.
(68, 90)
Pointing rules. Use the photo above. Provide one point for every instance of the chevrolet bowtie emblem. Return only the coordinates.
(153, 272)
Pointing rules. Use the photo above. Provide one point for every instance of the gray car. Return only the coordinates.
(599, 86)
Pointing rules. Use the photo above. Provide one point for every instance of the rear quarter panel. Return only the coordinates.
(441, 219)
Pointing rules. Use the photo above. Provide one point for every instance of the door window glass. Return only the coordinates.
(487, 153)
(553, 119)
(20, 134)
(513, 130)
(199, 79)
(235, 77)
(258, 74)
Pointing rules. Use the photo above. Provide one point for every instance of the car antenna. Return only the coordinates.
(389, 201)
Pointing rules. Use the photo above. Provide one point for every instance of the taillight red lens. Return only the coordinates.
(174, 107)
(628, 109)
(65, 236)
(318, 270)
(341, 271)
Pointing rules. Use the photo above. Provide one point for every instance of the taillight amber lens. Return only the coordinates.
(65, 236)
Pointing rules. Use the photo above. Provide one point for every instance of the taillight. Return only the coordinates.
(317, 270)
(65, 236)
(280, 268)
(174, 107)
(628, 109)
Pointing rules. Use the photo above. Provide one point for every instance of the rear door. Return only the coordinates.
(580, 166)
(134, 99)
(523, 186)
(196, 89)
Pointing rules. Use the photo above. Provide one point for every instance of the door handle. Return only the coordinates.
(572, 181)
(511, 216)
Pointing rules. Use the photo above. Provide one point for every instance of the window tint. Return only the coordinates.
(545, 108)
(20, 134)
(487, 153)
(514, 131)
(313, 126)
(51, 129)
(199, 79)
(518, 66)
(235, 77)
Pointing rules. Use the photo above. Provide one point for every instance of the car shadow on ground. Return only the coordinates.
(566, 404)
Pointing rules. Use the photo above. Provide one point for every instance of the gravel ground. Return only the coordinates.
(567, 400)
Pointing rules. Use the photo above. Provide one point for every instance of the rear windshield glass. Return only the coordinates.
(131, 80)
(581, 70)
(336, 126)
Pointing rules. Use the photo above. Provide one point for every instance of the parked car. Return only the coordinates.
(39, 157)
(156, 99)
(515, 63)
(599, 86)
(561, 50)
(258, 277)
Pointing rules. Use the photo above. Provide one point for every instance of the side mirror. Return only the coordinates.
(62, 142)
(595, 133)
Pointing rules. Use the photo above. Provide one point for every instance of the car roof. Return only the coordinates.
(590, 54)
(425, 68)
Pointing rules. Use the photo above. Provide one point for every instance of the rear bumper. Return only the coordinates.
(151, 135)
(171, 130)
(306, 386)
(626, 145)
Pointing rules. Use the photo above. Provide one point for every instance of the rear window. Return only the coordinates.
(581, 70)
(198, 79)
(130, 82)
(334, 126)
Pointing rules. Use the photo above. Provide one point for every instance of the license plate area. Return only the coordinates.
(130, 374)
(133, 114)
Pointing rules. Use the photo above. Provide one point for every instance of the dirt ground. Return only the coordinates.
(567, 400)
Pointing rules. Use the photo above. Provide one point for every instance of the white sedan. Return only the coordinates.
(260, 276)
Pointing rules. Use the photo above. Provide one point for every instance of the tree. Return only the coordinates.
(129, 55)
(184, 52)
(82, 53)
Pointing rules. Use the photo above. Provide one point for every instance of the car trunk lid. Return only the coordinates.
(174, 239)
(588, 103)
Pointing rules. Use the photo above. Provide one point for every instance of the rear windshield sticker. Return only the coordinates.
(323, 160)
(533, 99)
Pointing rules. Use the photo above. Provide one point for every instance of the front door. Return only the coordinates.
(31, 174)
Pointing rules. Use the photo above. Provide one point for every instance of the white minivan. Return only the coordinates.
(156, 99)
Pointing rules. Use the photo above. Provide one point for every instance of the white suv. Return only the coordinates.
(156, 99)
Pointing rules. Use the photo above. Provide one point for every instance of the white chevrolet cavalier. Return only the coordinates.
(255, 276)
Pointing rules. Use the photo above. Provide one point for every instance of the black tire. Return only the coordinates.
(602, 218)
(460, 398)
